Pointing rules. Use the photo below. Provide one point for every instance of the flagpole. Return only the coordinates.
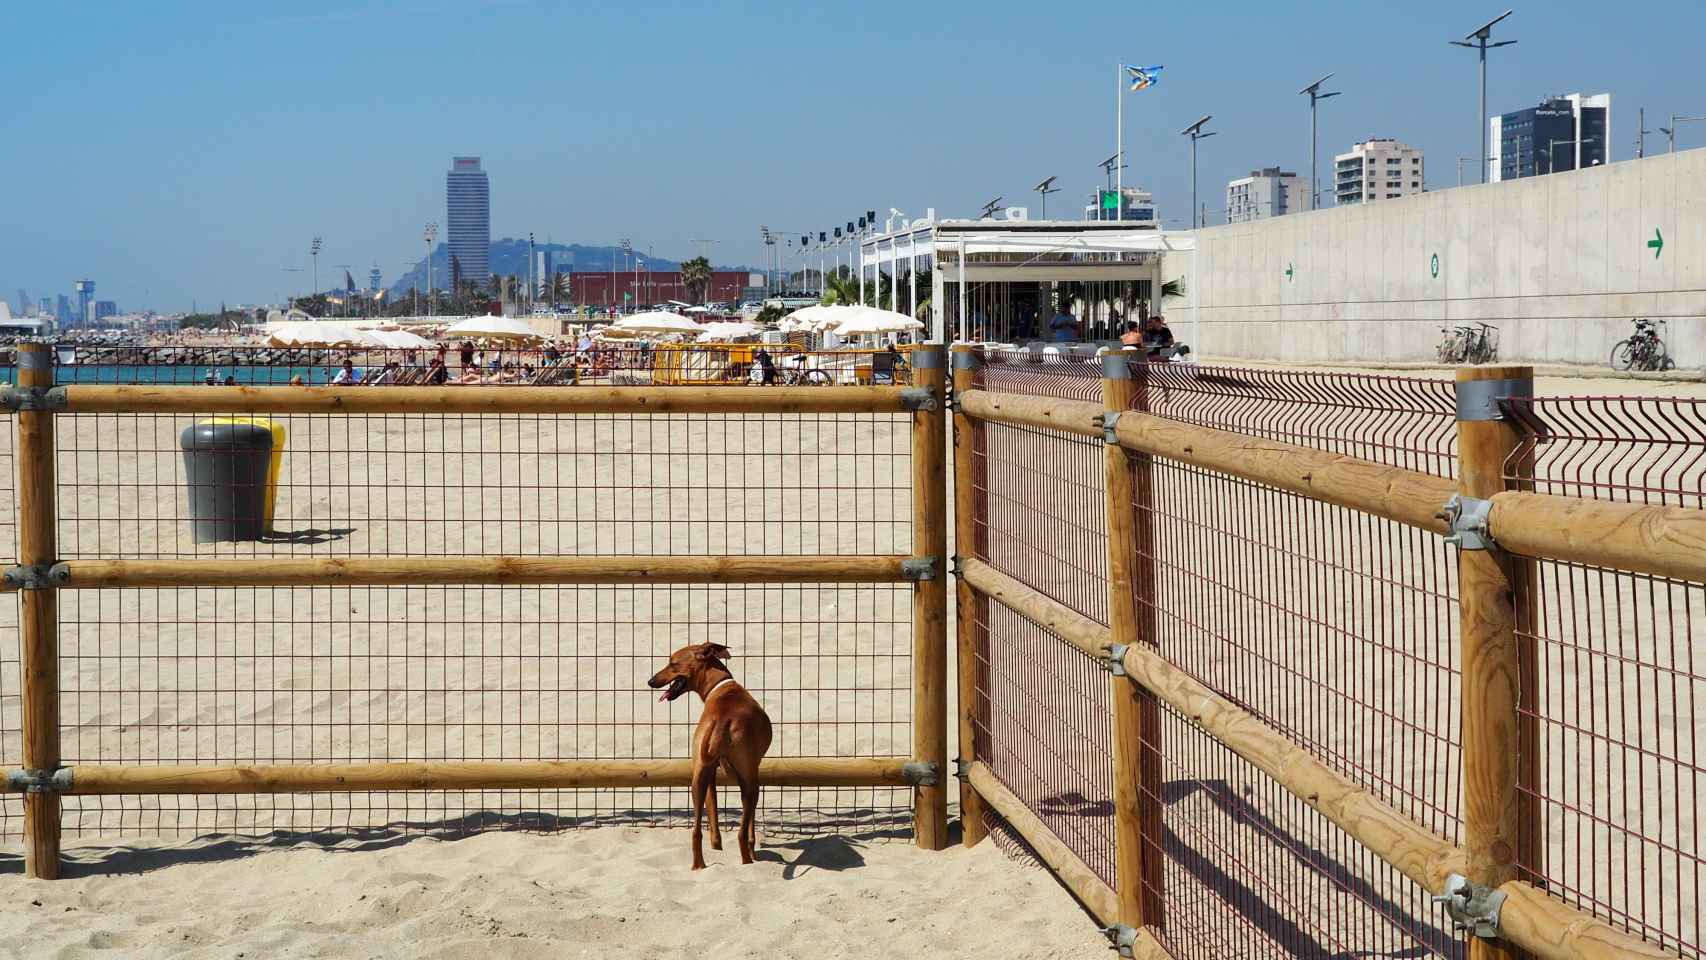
(1119, 146)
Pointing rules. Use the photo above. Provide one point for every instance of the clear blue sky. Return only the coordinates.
(192, 149)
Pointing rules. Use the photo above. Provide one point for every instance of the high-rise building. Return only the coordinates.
(1562, 133)
(468, 214)
(103, 310)
(1134, 204)
(373, 280)
(44, 307)
(1268, 192)
(62, 310)
(85, 296)
(1378, 169)
(22, 307)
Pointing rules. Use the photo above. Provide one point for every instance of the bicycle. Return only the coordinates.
(1643, 350)
(1469, 344)
(791, 375)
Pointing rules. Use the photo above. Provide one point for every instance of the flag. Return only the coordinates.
(1142, 78)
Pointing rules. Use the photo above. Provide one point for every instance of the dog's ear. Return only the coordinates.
(717, 651)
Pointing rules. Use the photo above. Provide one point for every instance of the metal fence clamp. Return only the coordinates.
(39, 576)
(921, 774)
(919, 398)
(921, 568)
(1115, 664)
(33, 398)
(1468, 517)
(25, 780)
(1110, 420)
(1121, 937)
(1473, 907)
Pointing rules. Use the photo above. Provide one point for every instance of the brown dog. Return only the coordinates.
(733, 734)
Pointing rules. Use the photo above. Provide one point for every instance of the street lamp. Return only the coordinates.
(430, 235)
(1670, 131)
(1552, 165)
(314, 251)
(1315, 96)
(1460, 162)
(1480, 35)
(530, 281)
(1043, 190)
(769, 274)
(1194, 131)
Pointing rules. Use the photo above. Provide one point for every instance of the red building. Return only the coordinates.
(606, 288)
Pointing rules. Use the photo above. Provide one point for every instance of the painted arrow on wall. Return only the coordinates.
(1288, 271)
(1657, 243)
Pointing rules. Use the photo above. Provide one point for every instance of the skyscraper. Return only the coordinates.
(62, 310)
(373, 280)
(85, 296)
(468, 202)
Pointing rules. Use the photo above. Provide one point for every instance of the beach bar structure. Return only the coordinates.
(1001, 280)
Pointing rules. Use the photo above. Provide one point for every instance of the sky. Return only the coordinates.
(188, 152)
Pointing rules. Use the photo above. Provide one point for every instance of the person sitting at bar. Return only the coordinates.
(1132, 338)
(1157, 337)
(1064, 325)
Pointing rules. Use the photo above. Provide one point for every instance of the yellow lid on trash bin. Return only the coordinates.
(273, 466)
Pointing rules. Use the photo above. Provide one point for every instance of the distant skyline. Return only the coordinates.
(192, 151)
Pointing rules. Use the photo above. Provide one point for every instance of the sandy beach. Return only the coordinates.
(592, 893)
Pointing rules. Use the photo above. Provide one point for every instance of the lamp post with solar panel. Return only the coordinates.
(1194, 131)
(1480, 35)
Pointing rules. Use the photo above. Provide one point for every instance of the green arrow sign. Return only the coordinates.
(1657, 243)
(1434, 266)
(1288, 270)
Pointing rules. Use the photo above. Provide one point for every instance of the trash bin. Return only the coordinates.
(274, 467)
(225, 466)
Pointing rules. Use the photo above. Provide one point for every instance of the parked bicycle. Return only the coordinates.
(1469, 343)
(1644, 350)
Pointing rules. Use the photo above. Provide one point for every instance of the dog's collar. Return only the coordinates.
(718, 684)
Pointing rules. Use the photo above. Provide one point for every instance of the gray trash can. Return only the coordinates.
(225, 466)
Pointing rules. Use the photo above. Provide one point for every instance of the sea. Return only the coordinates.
(179, 374)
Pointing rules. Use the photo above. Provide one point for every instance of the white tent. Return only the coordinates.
(821, 317)
(493, 328)
(657, 321)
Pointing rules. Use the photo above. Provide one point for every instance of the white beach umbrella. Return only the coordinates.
(871, 322)
(493, 328)
(657, 321)
(315, 333)
(727, 330)
(400, 339)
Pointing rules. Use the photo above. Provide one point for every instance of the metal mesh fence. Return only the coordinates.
(357, 674)
(1619, 696)
(1337, 628)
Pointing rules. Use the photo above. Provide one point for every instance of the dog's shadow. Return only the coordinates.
(821, 853)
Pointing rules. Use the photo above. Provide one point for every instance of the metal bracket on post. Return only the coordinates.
(1472, 906)
(1468, 518)
(1115, 664)
(1110, 420)
(33, 398)
(957, 565)
(967, 359)
(1122, 938)
(920, 568)
(1479, 399)
(24, 780)
(919, 398)
(962, 769)
(921, 774)
(40, 576)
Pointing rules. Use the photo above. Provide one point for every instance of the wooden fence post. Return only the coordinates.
(968, 604)
(1500, 749)
(38, 617)
(1129, 482)
(930, 599)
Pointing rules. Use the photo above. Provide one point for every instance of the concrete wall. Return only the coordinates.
(1558, 263)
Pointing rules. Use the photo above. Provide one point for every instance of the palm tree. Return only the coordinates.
(696, 276)
(840, 288)
(513, 286)
(558, 288)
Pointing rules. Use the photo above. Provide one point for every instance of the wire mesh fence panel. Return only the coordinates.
(11, 675)
(357, 674)
(1619, 682)
(414, 484)
(1253, 871)
(1044, 728)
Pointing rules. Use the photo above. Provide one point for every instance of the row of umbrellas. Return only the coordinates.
(848, 322)
(319, 333)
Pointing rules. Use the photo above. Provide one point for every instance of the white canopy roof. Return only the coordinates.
(657, 321)
(493, 327)
(319, 333)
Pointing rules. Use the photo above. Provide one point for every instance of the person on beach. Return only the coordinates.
(437, 374)
(467, 353)
(766, 366)
(1132, 338)
(1064, 325)
(347, 376)
(390, 373)
(296, 380)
